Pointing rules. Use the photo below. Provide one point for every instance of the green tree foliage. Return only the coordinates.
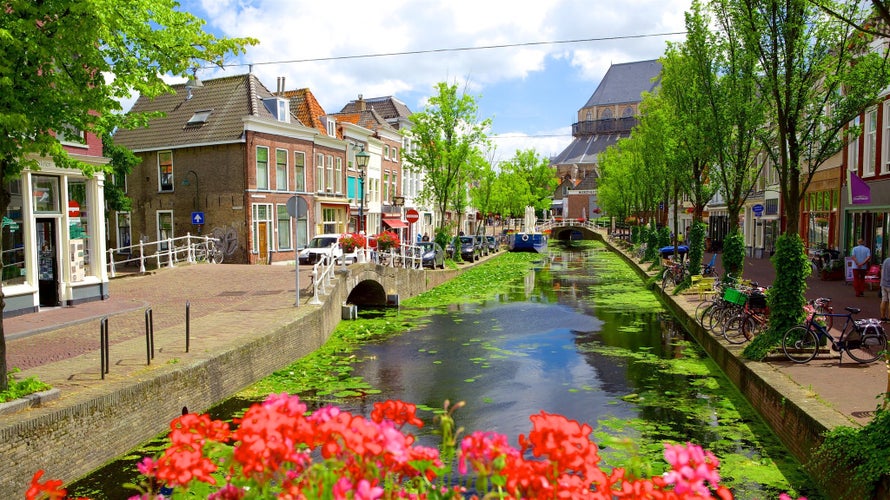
(786, 296)
(733, 257)
(68, 63)
(696, 246)
(121, 163)
(447, 137)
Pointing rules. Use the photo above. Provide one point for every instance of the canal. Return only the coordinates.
(577, 334)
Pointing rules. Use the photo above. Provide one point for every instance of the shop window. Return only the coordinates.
(78, 220)
(13, 236)
(46, 194)
(165, 171)
(331, 223)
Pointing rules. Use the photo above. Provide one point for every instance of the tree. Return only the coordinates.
(68, 63)
(445, 136)
(816, 75)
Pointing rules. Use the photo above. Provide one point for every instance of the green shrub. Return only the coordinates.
(21, 388)
(733, 254)
(786, 298)
(862, 453)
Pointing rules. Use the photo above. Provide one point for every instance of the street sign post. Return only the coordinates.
(296, 208)
(412, 216)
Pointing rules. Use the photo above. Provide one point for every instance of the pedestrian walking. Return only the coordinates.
(861, 256)
(885, 290)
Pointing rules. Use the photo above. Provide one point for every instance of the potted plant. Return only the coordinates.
(349, 242)
(821, 221)
(833, 270)
(387, 240)
(631, 220)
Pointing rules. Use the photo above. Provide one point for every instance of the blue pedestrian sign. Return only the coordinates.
(198, 218)
(757, 209)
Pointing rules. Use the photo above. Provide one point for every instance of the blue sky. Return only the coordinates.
(531, 92)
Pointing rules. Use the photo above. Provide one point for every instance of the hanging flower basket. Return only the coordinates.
(821, 221)
(631, 220)
(350, 241)
(690, 210)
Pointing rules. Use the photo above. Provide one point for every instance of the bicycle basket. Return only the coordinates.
(734, 296)
(757, 301)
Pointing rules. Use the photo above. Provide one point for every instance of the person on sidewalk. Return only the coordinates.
(861, 256)
(885, 290)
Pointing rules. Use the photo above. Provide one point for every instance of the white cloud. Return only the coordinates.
(297, 31)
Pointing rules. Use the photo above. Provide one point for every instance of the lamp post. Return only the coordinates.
(361, 161)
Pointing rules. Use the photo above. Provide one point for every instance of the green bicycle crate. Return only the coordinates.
(735, 296)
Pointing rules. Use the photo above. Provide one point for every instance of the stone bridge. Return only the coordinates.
(569, 229)
(370, 284)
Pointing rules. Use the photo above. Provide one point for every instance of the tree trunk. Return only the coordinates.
(4, 204)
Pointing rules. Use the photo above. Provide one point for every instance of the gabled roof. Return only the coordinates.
(391, 109)
(305, 107)
(225, 101)
(369, 119)
(625, 83)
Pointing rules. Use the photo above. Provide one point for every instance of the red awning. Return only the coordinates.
(395, 223)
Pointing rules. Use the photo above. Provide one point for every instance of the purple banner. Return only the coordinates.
(860, 192)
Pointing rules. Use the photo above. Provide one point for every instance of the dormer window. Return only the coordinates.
(200, 117)
(331, 125)
(279, 108)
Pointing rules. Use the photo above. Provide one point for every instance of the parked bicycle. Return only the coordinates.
(863, 340)
(209, 251)
(751, 320)
(673, 274)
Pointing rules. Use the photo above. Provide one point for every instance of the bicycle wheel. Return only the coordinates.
(667, 277)
(800, 344)
(865, 347)
(215, 254)
(736, 329)
(719, 317)
(701, 308)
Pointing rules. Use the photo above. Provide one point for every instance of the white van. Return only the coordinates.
(324, 244)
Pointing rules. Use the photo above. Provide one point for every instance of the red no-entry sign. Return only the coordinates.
(412, 216)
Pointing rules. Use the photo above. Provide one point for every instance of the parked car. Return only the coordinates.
(493, 245)
(431, 255)
(482, 243)
(467, 247)
(324, 244)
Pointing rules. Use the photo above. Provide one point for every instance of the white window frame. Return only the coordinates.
(281, 169)
(255, 226)
(257, 169)
(338, 175)
(172, 184)
(299, 164)
(870, 134)
(853, 149)
(885, 140)
(319, 172)
(289, 245)
(329, 171)
(162, 242)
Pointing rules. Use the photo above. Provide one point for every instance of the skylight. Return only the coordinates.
(199, 117)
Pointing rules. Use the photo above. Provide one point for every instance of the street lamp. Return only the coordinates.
(361, 161)
(185, 182)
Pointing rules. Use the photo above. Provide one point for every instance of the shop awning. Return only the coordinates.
(395, 223)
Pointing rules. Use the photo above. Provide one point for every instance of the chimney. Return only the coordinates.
(280, 86)
(360, 103)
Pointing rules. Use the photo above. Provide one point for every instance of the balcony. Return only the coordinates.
(607, 126)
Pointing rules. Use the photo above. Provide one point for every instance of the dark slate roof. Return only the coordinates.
(229, 100)
(626, 82)
(389, 107)
(585, 149)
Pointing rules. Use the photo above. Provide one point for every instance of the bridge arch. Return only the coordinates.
(368, 292)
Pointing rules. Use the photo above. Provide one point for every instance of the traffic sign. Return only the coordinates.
(198, 218)
(412, 216)
(297, 206)
(73, 208)
(757, 209)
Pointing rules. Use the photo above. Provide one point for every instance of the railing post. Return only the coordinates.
(149, 336)
(171, 252)
(315, 283)
(189, 257)
(111, 262)
(141, 257)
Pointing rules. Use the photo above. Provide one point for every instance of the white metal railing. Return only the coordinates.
(322, 272)
(407, 256)
(181, 249)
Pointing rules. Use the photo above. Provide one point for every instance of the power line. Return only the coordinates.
(460, 49)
